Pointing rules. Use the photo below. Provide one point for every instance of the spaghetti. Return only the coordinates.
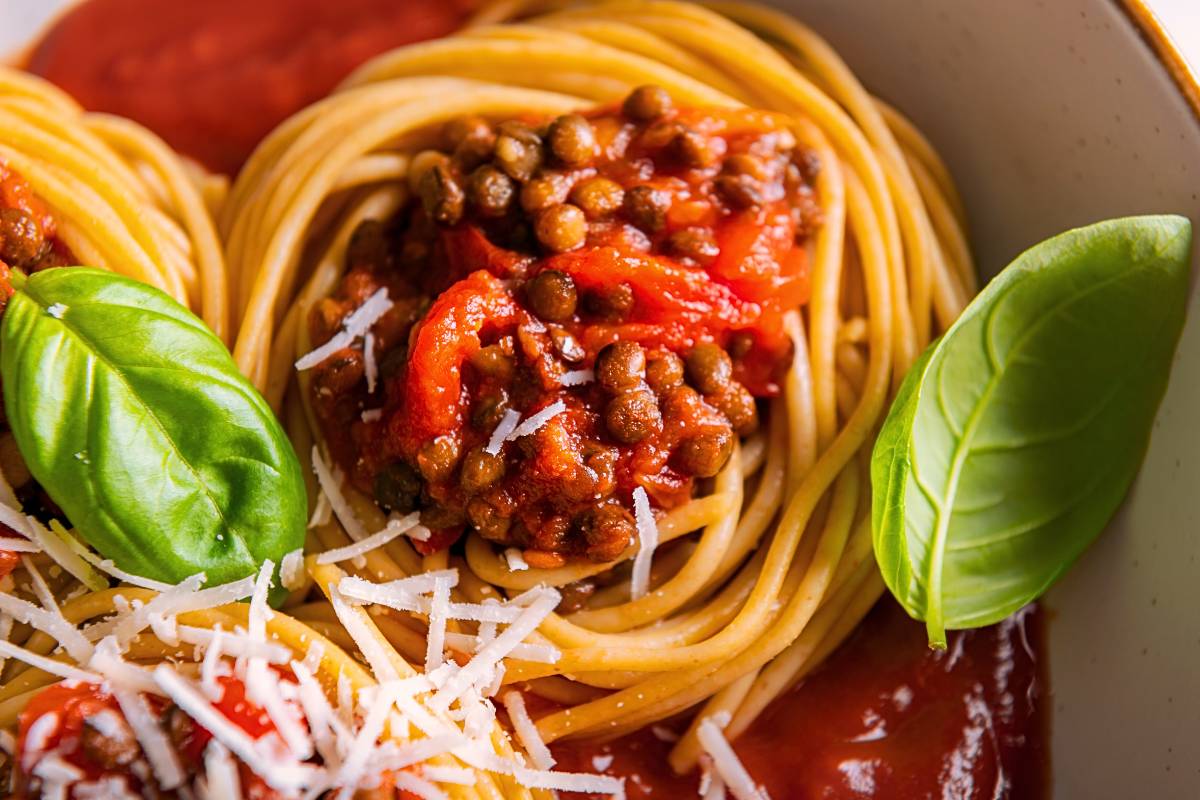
(781, 570)
(716, 600)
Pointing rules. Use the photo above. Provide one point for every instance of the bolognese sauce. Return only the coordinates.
(623, 273)
(28, 242)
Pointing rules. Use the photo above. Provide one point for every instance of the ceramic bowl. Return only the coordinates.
(1054, 114)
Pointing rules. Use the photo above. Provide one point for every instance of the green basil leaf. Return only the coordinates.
(134, 418)
(1015, 436)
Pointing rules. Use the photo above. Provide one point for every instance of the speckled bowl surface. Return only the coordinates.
(1054, 114)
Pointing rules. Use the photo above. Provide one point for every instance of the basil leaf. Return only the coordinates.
(134, 418)
(1015, 436)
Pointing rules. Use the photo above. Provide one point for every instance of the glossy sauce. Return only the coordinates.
(214, 77)
(885, 718)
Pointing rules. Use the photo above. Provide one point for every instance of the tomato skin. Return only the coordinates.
(450, 334)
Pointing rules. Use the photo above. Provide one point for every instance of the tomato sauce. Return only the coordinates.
(885, 717)
(213, 78)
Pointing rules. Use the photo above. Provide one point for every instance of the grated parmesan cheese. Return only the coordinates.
(355, 325)
(372, 415)
(639, 580)
(536, 422)
(370, 368)
(527, 732)
(725, 761)
(331, 489)
(515, 560)
(394, 528)
(221, 779)
(291, 570)
(10, 650)
(152, 737)
(502, 433)
(577, 377)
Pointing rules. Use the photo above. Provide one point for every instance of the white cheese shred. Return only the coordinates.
(152, 737)
(725, 761)
(639, 580)
(577, 377)
(536, 422)
(393, 529)
(331, 488)
(355, 325)
(515, 560)
(370, 368)
(291, 570)
(527, 732)
(502, 433)
(220, 773)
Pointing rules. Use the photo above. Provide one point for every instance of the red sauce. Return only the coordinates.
(884, 717)
(482, 344)
(214, 77)
(74, 703)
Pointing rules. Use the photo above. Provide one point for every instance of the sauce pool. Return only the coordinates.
(884, 718)
(214, 77)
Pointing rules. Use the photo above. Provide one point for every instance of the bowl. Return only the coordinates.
(1053, 114)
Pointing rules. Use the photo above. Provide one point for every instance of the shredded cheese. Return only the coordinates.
(393, 529)
(577, 377)
(152, 737)
(355, 325)
(370, 368)
(45, 664)
(291, 570)
(502, 433)
(515, 560)
(536, 422)
(639, 580)
(527, 732)
(725, 761)
(331, 488)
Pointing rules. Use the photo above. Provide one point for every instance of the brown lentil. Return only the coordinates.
(466, 128)
(740, 191)
(745, 164)
(608, 530)
(480, 470)
(693, 149)
(491, 522)
(438, 458)
(21, 239)
(562, 228)
(493, 362)
(620, 365)
(598, 197)
(546, 190)
(615, 303)
(397, 488)
(442, 196)
(646, 207)
(647, 103)
(737, 404)
(490, 191)
(698, 244)
(664, 371)
(709, 368)
(552, 295)
(518, 150)
(704, 454)
(572, 141)
(632, 416)
(421, 163)
(487, 413)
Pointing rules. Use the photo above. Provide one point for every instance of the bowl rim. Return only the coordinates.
(1166, 52)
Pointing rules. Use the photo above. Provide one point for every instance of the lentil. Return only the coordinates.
(620, 365)
(552, 295)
